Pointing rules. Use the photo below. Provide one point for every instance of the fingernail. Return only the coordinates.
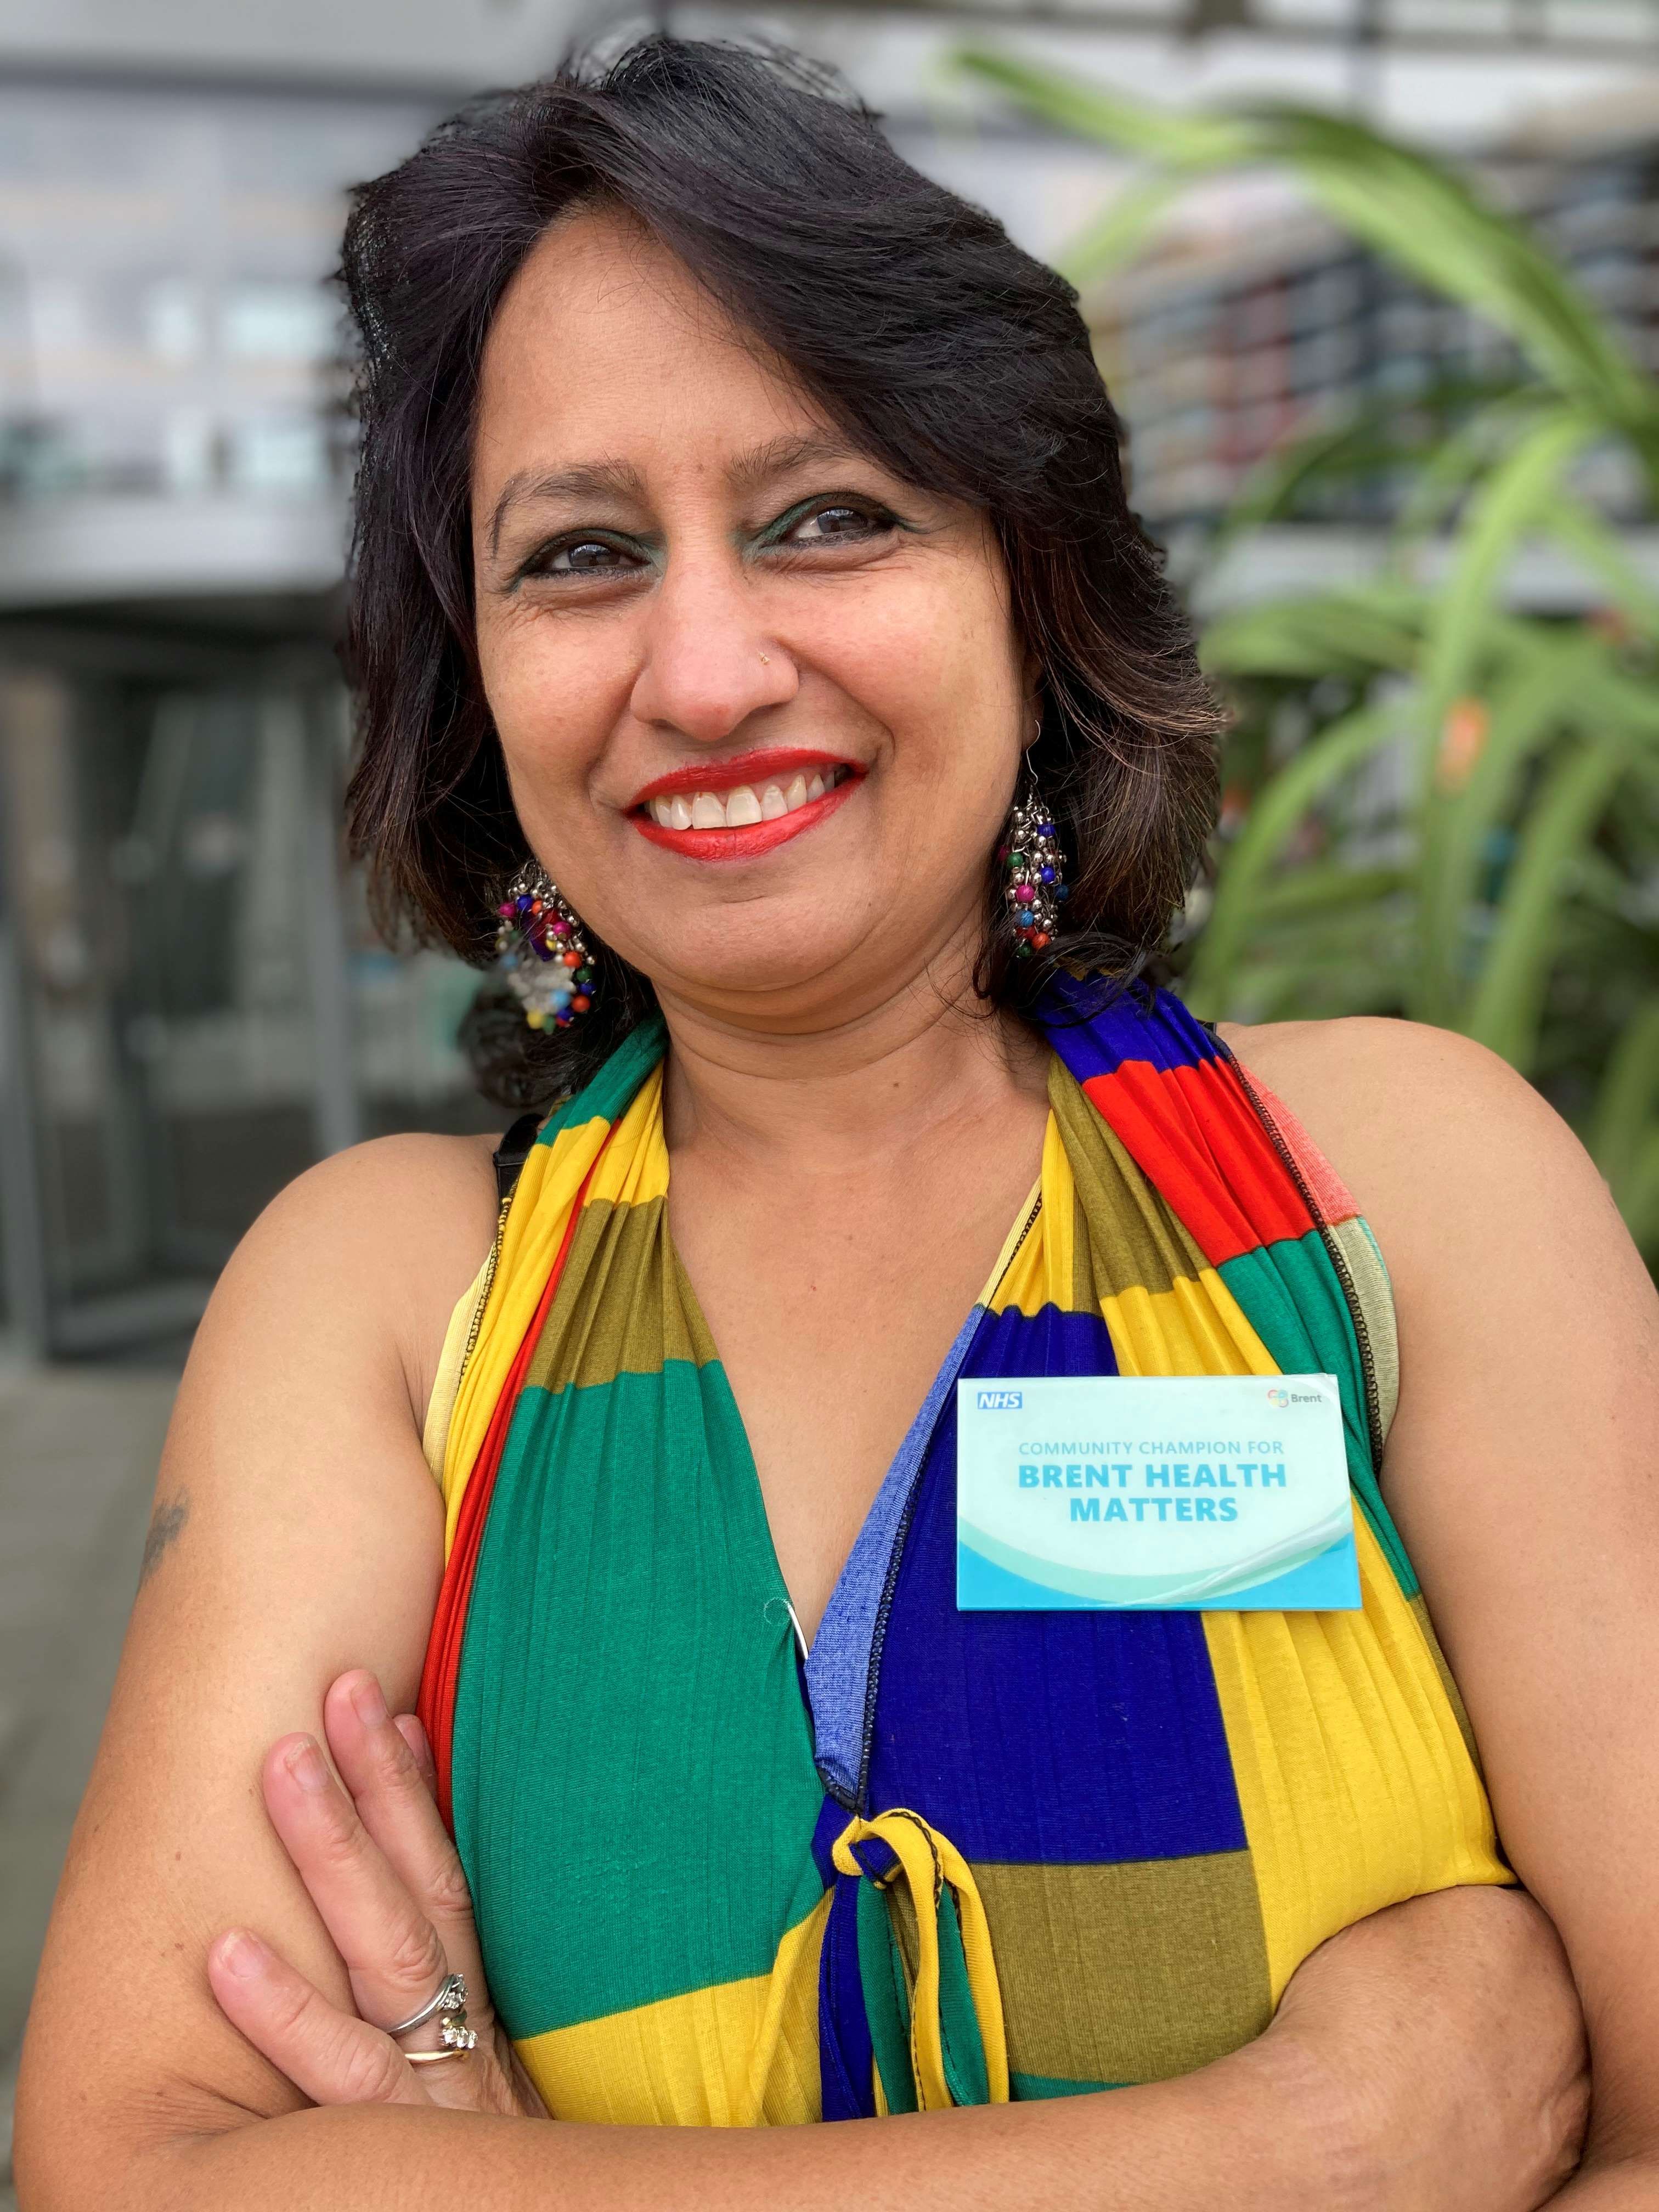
(242, 1955)
(367, 1703)
(408, 1727)
(308, 1766)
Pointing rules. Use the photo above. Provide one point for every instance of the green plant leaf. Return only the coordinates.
(1539, 682)
(1509, 997)
(1508, 507)
(1627, 1111)
(1280, 806)
(1325, 634)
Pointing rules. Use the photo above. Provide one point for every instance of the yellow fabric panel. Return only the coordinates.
(447, 1381)
(741, 2054)
(529, 1244)
(635, 1167)
(1355, 1783)
(1195, 1328)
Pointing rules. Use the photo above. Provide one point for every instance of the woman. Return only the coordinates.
(742, 550)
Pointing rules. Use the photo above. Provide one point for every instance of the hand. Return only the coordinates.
(385, 1876)
(1443, 2042)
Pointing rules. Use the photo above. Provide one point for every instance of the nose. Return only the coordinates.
(709, 663)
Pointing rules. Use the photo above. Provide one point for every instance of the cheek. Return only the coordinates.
(940, 668)
(551, 697)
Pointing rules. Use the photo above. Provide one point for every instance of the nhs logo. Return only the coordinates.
(1000, 1401)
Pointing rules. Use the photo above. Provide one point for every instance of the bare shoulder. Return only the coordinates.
(380, 1239)
(1448, 1150)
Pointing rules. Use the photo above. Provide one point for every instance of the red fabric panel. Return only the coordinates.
(1194, 1135)
(1334, 1200)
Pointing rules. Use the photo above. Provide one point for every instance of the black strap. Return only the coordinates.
(512, 1152)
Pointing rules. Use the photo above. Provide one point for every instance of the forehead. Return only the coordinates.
(605, 342)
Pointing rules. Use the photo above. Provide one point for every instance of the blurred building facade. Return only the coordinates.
(193, 1004)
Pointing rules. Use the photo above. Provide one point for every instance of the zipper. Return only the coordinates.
(1327, 1237)
(894, 1558)
(487, 1286)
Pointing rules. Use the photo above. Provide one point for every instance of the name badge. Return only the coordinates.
(1192, 1494)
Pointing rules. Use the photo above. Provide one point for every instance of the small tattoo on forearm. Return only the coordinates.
(165, 1524)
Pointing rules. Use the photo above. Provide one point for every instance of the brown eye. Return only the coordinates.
(590, 554)
(833, 522)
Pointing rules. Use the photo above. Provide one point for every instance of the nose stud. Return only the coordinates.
(767, 658)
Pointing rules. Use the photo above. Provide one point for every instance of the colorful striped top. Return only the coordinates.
(947, 1857)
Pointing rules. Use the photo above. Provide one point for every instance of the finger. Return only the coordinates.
(393, 1954)
(395, 1806)
(329, 2057)
(408, 1726)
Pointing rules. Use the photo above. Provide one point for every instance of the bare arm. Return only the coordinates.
(298, 1535)
(1522, 1470)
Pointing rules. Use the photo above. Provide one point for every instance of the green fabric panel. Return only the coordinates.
(1291, 1297)
(1031, 2088)
(619, 1552)
(886, 2000)
(966, 2074)
(614, 1086)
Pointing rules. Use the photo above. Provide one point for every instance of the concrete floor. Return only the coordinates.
(78, 1452)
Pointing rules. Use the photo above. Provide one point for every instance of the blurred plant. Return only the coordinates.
(1435, 806)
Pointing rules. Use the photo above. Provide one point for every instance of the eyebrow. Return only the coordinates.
(591, 480)
(619, 479)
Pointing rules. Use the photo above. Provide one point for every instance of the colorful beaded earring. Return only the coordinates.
(542, 952)
(1036, 880)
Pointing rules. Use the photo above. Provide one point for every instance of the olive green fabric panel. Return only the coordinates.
(1133, 1239)
(625, 1309)
(1134, 1972)
(1376, 1294)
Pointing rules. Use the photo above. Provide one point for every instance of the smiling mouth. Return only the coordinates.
(784, 794)
(745, 804)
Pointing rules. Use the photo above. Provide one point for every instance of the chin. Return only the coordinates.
(751, 951)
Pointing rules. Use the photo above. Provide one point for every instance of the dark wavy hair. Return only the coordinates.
(948, 355)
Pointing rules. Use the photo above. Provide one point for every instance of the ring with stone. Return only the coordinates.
(447, 2004)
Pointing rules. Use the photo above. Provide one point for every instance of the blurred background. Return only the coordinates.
(1375, 285)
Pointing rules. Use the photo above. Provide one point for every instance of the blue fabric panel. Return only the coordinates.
(1094, 1040)
(838, 1664)
(1081, 1738)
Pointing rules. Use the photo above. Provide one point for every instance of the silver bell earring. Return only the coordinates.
(541, 950)
(1036, 869)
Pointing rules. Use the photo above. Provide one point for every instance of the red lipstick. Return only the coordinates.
(772, 764)
(775, 765)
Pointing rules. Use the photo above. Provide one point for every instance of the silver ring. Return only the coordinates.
(450, 1997)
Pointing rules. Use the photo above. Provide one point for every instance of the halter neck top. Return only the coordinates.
(945, 1857)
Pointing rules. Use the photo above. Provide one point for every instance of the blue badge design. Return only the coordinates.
(1179, 1493)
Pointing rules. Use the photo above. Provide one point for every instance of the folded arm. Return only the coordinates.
(298, 1534)
(1520, 1472)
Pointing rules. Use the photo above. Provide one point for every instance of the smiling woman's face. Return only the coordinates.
(699, 608)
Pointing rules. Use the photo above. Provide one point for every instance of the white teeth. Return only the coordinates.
(742, 805)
